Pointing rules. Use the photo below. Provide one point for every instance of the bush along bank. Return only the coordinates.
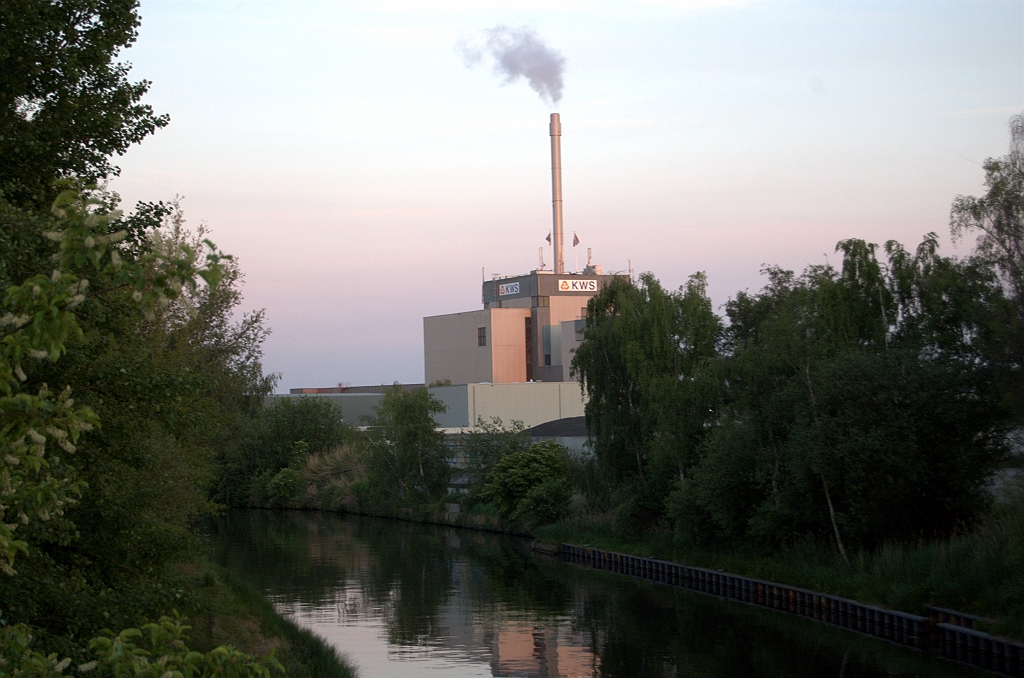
(975, 570)
(400, 466)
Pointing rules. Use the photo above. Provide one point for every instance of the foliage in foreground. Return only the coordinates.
(157, 650)
(39, 320)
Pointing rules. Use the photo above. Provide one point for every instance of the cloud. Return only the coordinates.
(518, 53)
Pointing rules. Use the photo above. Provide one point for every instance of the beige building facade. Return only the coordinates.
(517, 337)
(486, 346)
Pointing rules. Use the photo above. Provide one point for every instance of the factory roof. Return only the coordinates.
(560, 428)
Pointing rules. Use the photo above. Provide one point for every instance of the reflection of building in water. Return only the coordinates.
(519, 650)
(513, 644)
(436, 618)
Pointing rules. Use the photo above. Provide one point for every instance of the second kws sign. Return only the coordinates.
(577, 285)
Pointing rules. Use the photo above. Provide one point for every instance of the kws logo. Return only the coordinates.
(577, 285)
(507, 289)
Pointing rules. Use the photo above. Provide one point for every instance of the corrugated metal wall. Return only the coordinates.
(531, 403)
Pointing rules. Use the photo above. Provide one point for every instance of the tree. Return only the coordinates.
(282, 436)
(531, 485)
(644, 363)
(407, 455)
(66, 104)
(483, 446)
(860, 405)
(997, 221)
(40, 318)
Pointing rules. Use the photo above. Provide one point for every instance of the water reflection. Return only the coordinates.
(402, 599)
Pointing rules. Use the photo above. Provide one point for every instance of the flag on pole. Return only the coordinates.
(548, 238)
(575, 239)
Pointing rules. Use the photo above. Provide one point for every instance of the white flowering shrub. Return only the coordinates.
(37, 320)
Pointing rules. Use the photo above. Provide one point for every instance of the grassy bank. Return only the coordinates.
(223, 610)
(978, 572)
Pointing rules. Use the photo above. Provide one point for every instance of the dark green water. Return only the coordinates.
(402, 599)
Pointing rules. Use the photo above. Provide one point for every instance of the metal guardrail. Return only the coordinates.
(942, 615)
(956, 641)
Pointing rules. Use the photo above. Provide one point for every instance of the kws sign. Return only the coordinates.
(507, 289)
(577, 285)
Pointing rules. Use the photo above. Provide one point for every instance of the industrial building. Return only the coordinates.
(529, 323)
(510, 359)
(526, 331)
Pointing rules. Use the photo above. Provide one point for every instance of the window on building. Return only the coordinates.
(481, 336)
(541, 301)
(547, 360)
(579, 335)
(583, 312)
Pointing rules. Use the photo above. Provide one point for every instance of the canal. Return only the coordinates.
(402, 599)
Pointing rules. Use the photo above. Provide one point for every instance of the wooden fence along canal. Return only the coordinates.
(948, 633)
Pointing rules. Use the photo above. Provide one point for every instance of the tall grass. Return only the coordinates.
(328, 478)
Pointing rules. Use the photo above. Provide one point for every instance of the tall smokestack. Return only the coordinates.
(556, 191)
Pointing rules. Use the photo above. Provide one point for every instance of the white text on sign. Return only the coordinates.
(508, 288)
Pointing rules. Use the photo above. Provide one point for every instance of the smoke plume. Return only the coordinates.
(519, 52)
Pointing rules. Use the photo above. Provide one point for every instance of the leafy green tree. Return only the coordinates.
(66, 103)
(407, 459)
(172, 381)
(997, 219)
(997, 222)
(860, 404)
(646, 365)
(491, 440)
(281, 436)
(40, 317)
(532, 485)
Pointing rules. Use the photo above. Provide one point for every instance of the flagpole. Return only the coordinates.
(575, 260)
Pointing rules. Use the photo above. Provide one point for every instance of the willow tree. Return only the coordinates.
(996, 220)
(643, 363)
(860, 405)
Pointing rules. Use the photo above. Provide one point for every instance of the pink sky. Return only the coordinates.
(363, 175)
